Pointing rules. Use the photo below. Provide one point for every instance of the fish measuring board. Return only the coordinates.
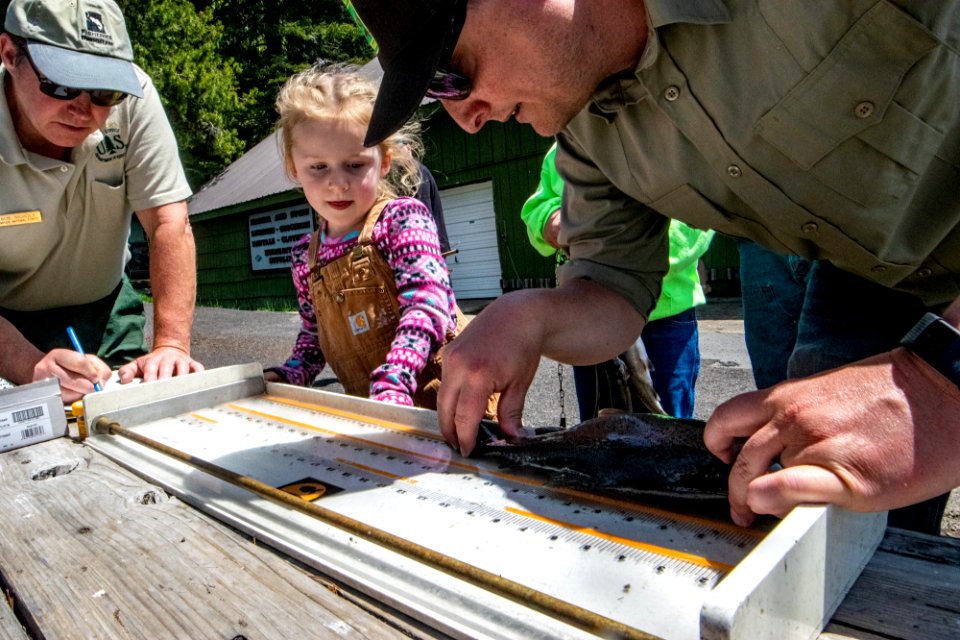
(648, 567)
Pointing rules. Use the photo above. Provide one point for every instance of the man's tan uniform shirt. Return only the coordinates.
(823, 129)
(64, 225)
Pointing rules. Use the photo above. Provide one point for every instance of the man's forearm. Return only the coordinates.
(17, 356)
(952, 314)
(173, 282)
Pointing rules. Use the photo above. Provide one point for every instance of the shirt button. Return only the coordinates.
(734, 171)
(924, 272)
(671, 93)
(64, 168)
(864, 109)
(878, 269)
(809, 227)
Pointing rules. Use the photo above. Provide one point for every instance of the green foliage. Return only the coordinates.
(270, 41)
(179, 47)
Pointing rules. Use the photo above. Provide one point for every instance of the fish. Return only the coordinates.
(633, 454)
(636, 369)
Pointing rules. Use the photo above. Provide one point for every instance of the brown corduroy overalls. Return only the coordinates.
(355, 301)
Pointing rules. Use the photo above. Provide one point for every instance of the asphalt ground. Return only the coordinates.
(224, 337)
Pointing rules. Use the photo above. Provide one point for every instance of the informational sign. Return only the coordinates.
(273, 234)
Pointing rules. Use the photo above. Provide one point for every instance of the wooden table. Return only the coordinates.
(89, 550)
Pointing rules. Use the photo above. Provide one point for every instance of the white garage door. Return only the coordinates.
(472, 229)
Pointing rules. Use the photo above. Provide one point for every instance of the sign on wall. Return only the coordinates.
(273, 234)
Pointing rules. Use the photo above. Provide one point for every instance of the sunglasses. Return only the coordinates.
(447, 85)
(99, 97)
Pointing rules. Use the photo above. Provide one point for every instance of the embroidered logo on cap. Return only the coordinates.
(94, 31)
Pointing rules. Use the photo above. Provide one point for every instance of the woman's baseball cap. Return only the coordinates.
(414, 38)
(82, 44)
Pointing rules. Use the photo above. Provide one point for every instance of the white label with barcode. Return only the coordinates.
(24, 424)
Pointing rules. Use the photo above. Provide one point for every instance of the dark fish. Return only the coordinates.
(630, 453)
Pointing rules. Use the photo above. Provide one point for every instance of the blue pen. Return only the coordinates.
(79, 349)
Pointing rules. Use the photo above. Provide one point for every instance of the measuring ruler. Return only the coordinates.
(646, 567)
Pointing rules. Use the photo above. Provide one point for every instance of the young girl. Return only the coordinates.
(373, 289)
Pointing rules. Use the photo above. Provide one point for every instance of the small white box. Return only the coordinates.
(31, 413)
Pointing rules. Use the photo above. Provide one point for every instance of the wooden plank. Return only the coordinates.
(89, 549)
(909, 590)
(937, 549)
(10, 628)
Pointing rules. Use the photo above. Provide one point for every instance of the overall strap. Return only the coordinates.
(312, 249)
(366, 234)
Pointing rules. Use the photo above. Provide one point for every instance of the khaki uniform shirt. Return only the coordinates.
(823, 129)
(64, 225)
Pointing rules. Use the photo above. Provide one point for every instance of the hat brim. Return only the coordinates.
(79, 70)
(406, 81)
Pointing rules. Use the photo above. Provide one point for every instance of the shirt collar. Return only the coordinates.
(623, 89)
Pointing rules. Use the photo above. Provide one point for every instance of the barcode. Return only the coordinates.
(31, 432)
(28, 414)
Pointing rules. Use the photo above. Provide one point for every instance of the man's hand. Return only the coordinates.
(162, 362)
(77, 372)
(580, 322)
(877, 434)
(498, 351)
(551, 230)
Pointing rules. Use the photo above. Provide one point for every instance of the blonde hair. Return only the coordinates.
(339, 91)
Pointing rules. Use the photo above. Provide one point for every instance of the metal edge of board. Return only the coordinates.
(410, 416)
(219, 385)
(818, 550)
(446, 602)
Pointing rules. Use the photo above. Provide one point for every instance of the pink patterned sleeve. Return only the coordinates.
(406, 234)
(306, 361)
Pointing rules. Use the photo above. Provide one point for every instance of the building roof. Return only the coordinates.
(256, 174)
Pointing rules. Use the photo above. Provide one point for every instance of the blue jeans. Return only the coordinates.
(673, 345)
(844, 318)
(772, 289)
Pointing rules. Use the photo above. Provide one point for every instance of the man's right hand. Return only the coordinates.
(77, 372)
(580, 322)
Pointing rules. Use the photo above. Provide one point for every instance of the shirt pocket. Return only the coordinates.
(842, 122)
(687, 204)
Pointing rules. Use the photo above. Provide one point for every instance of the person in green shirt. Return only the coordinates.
(827, 131)
(670, 335)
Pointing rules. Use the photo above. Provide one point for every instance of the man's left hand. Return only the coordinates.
(162, 362)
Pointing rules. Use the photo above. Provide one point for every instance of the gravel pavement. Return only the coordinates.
(224, 337)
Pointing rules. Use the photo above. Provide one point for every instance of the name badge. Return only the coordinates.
(20, 217)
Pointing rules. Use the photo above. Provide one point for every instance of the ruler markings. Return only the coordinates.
(582, 535)
(266, 419)
(736, 533)
(663, 551)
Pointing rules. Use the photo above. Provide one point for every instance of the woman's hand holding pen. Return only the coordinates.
(77, 372)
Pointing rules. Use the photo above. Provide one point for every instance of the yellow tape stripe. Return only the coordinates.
(395, 426)
(204, 418)
(662, 551)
